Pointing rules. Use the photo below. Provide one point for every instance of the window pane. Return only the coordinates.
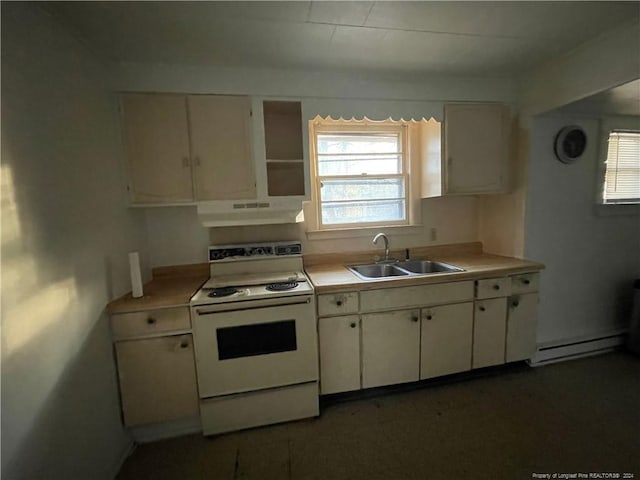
(359, 212)
(359, 164)
(362, 189)
(358, 143)
(622, 178)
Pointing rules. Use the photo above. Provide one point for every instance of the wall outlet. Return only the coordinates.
(433, 234)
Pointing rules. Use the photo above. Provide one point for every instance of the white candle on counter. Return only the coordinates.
(136, 276)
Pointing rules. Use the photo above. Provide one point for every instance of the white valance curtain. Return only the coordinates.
(372, 109)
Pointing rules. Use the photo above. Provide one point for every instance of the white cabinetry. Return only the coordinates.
(221, 147)
(339, 342)
(390, 348)
(489, 332)
(394, 335)
(337, 303)
(505, 319)
(476, 148)
(473, 153)
(156, 367)
(521, 327)
(175, 141)
(446, 339)
(156, 137)
(339, 339)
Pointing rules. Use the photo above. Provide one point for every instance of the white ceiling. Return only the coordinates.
(466, 38)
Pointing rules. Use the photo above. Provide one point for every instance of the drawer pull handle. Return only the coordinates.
(526, 281)
(429, 317)
(353, 325)
(515, 303)
(482, 309)
(339, 303)
(184, 344)
(414, 318)
(496, 287)
(151, 320)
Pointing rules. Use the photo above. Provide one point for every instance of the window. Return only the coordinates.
(622, 168)
(361, 173)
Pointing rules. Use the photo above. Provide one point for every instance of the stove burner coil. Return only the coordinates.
(281, 287)
(222, 292)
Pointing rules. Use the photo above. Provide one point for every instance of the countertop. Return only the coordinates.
(170, 287)
(174, 286)
(329, 273)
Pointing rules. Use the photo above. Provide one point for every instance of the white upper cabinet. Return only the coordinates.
(156, 137)
(469, 153)
(280, 152)
(284, 148)
(221, 147)
(176, 142)
(476, 147)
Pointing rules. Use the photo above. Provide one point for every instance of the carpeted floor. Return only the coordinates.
(581, 416)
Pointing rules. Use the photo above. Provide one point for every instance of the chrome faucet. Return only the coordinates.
(386, 244)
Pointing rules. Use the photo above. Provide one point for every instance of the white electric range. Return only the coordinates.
(255, 338)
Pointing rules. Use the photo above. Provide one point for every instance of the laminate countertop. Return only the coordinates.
(170, 287)
(329, 273)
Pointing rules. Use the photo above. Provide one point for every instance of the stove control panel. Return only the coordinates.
(253, 250)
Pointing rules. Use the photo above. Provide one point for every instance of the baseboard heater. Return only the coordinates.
(569, 349)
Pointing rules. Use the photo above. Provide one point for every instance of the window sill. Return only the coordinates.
(364, 232)
(610, 209)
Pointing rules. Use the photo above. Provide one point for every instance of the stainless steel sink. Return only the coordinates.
(377, 270)
(399, 269)
(427, 266)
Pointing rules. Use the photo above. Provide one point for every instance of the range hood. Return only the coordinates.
(238, 213)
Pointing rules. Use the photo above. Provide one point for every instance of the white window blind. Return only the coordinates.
(622, 176)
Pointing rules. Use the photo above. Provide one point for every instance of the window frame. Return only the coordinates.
(365, 126)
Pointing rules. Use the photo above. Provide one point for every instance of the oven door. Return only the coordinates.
(254, 345)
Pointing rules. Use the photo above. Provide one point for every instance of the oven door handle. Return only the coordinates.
(252, 305)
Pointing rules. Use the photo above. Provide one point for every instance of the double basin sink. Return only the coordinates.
(402, 268)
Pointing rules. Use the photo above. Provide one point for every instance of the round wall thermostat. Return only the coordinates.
(570, 144)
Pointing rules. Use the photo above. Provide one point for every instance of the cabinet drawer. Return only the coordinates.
(493, 288)
(337, 304)
(525, 283)
(421, 295)
(136, 324)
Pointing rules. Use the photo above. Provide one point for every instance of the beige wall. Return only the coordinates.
(591, 252)
(453, 218)
(66, 232)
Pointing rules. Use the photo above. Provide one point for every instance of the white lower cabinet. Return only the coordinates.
(521, 327)
(446, 339)
(395, 335)
(390, 348)
(157, 379)
(489, 332)
(339, 339)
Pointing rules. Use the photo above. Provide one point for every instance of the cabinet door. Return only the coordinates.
(157, 143)
(221, 146)
(390, 348)
(489, 332)
(447, 333)
(521, 327)
(339, 339)
(475, 148)
(157, 379)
